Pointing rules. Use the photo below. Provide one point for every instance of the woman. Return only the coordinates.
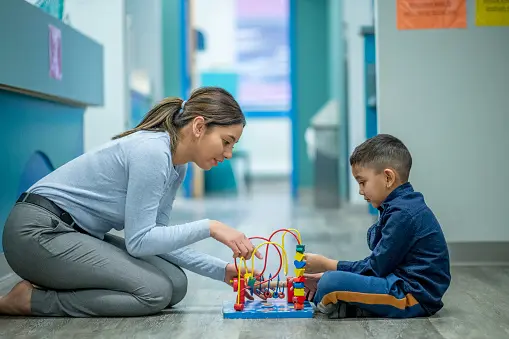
(55, 236)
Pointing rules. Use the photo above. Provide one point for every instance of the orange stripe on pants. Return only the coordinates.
(370, 299)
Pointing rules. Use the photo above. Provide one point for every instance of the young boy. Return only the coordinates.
(407, 273)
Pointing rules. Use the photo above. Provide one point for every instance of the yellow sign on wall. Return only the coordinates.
(492, 13)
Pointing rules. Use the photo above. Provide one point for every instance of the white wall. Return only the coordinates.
(104, 21)
(144, 34)
(445, 93)
(357, 13)
(219, 31)
(269, 143)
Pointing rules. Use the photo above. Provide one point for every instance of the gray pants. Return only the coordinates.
(80, 276)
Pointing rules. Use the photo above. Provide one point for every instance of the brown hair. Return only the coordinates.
(216, 105)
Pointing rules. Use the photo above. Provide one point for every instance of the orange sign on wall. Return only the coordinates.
(431, 14)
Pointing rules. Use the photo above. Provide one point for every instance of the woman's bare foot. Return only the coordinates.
(18, 300)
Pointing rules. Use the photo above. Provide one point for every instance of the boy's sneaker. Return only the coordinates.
(342, 310)
(326, 309)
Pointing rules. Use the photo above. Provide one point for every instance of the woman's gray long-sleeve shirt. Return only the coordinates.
(130, 184)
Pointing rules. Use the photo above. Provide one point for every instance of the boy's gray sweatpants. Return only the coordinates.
(78, 275)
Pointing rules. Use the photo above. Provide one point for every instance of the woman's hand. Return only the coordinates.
(316, 263)
(235, 240)
(231, 272)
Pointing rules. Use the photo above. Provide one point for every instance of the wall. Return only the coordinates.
(28, 125)
(357, 13)
(172, 48)
(220, 34)
(445, 94)
(176, 63)
(338, 87)
(105, 22)
(144, 36)
(310, 77)
(269, 145)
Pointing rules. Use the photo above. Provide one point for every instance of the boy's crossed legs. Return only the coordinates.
(344, 294)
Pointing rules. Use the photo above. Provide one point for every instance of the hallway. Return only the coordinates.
(474, 308)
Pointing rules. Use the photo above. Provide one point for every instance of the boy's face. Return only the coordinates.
(374, 186)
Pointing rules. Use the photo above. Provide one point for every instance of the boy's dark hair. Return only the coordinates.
(381, 152)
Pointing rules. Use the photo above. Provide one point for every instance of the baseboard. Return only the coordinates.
(5, 270)
(479, 253)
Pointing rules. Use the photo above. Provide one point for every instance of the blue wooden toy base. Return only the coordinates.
(260, 309)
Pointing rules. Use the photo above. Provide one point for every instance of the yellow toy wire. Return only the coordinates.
(283, 237)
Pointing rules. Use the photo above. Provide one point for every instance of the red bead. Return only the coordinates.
(299, 300)
(299, 279)
(298, 306)
(238, 307)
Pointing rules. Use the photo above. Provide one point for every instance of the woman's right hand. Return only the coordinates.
(235, 240)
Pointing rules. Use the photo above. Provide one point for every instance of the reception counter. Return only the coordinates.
(49, 74)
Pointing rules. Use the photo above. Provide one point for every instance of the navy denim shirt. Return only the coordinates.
(407, 241)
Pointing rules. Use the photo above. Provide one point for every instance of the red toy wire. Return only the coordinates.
(266, 256)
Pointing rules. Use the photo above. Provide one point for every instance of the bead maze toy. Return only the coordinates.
(276, 303)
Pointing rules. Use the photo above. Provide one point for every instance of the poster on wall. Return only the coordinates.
(492, 13)
(263, 54)
(431, 14)
(55, 52)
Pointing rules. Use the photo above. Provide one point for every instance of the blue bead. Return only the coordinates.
(299, 264)
(298, 285)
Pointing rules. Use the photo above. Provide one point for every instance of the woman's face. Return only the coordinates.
(214, 144)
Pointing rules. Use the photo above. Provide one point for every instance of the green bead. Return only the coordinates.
(301, 248)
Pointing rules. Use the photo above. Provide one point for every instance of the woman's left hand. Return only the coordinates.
(231, 273)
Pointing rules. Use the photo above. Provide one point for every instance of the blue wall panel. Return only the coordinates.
(140, 106)
(370, 95)
(309, 79)
(35, 136)
(370, 88)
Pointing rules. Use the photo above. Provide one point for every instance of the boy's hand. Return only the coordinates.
(316, 263)
(311, 285)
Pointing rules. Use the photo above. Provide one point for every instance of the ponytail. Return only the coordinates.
(160, 118)
(217, 107)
